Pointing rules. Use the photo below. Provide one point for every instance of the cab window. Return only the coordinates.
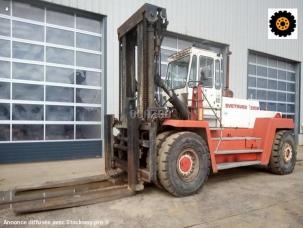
(177, 73)
(193, 70)
(206, 71)
(217, 74)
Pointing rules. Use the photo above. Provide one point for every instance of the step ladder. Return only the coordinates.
(230, 165)
(240, 151)
(241, 145)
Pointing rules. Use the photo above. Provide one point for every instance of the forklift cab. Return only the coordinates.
(191, 66)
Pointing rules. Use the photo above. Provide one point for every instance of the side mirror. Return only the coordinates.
(203, 76)
(192, 83)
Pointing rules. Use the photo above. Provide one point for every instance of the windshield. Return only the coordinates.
(177, 73)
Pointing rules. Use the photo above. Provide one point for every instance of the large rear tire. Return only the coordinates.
(183, 163)
(284, 155)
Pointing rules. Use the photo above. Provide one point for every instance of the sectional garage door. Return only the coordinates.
(273, 82)
(51, 79)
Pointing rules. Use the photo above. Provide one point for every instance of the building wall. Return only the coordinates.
(240, 23)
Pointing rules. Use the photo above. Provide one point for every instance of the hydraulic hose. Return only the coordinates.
(173, 98)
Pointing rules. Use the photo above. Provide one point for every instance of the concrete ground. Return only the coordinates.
(243, 197)
(13, 175)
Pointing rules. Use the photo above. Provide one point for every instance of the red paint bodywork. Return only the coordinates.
(264, 129)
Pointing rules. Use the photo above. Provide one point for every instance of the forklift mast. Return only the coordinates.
(140, 40)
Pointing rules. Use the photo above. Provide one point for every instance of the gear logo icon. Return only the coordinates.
(282, 24)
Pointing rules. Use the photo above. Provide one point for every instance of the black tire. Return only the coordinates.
(162, 137)
(172, 151)
(159, 140)
(284, 155)
(282, 23)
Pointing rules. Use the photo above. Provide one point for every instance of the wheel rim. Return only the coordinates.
(282, 23)
(287, 152)
(188, 164)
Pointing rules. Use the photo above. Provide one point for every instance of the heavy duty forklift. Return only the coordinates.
(174, 131)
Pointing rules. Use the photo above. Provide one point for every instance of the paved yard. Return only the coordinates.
(13, 175)
(244, 197)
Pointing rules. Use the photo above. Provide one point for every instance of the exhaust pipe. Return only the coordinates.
(173, 98)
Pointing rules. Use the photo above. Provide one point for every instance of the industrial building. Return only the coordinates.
(59, 66)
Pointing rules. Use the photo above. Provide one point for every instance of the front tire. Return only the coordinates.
(284, 155)
(184, 163)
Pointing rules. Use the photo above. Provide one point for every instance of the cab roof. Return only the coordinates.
(191, 50)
